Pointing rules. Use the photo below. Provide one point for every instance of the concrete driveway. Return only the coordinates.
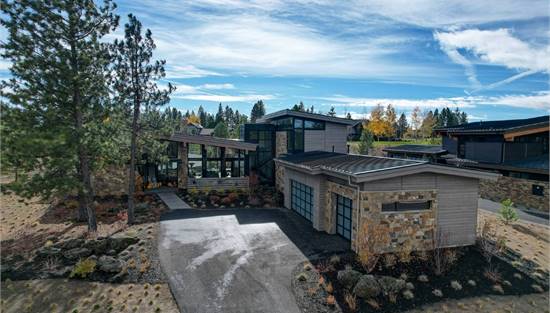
(238, 260)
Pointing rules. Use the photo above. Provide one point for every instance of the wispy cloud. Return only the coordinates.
(225, 98)
(217, 86)
(494, 47)
(540, 100)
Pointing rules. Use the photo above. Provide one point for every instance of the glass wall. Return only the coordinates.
(209, 161)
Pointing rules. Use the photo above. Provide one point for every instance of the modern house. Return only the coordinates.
(516, 149)
(305, 156)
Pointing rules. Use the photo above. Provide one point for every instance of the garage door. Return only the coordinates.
(343, 216)
(301, 199)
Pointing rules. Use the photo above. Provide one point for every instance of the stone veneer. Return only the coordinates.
(519, 190)
(280, 143)
(408, 227)
(280, 178)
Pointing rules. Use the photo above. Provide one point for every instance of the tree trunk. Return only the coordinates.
(133, 148)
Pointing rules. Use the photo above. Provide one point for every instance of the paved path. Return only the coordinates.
(524, 215)
(238, 260)
(172, 200)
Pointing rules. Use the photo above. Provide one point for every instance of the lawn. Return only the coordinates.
(379, 145)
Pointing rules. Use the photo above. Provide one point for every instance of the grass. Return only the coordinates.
(378, 145)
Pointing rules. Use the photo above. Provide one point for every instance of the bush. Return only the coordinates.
(370, 240)
(437, 293)
(423, 278)
(83, 268)
(351, 301)
(301, 277)
(456, 285)
(408, 294)
(507, 212)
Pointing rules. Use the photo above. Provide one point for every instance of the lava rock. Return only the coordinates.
(120, 243)
(69, 244)
(77, 253)
(99, 246)
(348, 278)
(109, 264)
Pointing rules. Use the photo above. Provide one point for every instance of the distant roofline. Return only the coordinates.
(430, 149)
(482, 128)
(313, 116)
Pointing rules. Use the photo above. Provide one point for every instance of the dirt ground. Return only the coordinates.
(530, 240)
(60, 295)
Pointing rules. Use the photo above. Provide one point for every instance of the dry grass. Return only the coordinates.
(530, 240)
(60, 295)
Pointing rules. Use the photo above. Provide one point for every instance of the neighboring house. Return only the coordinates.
(340, 192)
(516, 149)
(207, 132)
(193, 128)
(354, 132)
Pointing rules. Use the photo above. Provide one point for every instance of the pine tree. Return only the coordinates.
(402, 126)
(135, 84)
(416, 121)
(348, 116)
(258, 110)
(202, 116)
(365, 141)
(463, 118)
(331, 112)
(221, 130)
(390, 121)
(220, 116)
(59, 70)
(428, 124)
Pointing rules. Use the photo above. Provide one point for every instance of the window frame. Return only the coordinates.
(397, 209)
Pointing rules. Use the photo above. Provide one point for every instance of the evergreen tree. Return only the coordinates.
(390, 121)
(402, 126)
(437, 118)
(348, 116)
(365, 141)
(221, 130)
(331, 112)
(463, 118)
(220, 116)
(202, 116)
(135, 84)
(258, 110)
(58, 85)
(428, 124)
(299, 107)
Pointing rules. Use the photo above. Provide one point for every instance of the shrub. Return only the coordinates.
(498, 288)
(404, 253)
(329, 288)
(472, 283)
(373, 304)
(441, 260)
(409, 286)
(372, 237)
(351, 301)
(408, 294)
(507, 212)
(301, 277)
(331, 300)
(389, 260)
(492, 274)
(437, 293)
(423, 278)
(456, 285)
(83, 267)
(335, 259)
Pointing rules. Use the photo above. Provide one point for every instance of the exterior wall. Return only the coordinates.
(314, 140)
(183, 170)
(414, 229)
(329, 221)
(518, 190)
(457, 202)
(280, 143)
(336, 136)
(280, 178)
(315, 183)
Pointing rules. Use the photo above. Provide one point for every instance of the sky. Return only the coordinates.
(489, 58)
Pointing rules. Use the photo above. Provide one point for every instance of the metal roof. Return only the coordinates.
(347, 163)
(425, 149)
(311, 116)
(497, 126)
(212, 141)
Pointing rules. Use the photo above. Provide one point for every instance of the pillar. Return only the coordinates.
(183, 169)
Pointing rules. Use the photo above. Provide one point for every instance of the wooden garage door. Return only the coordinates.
(301, 199)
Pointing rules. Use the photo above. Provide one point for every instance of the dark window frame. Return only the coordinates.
(406, 206)
(301, 199)
(343, 205)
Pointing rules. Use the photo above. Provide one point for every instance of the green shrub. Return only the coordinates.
(83, 268)
(507, 213)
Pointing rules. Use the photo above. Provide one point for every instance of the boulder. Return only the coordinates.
(142, 206)
(69, 244)
(391, 285)
(109, 264)
(99, 246)
(77, 253)
(348, 278)
(120, 243)
(50, 251)
(367, 287)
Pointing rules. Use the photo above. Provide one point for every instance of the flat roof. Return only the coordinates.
(363, 168)
(499, 127)
(312, 116)
(212, 141)
(353, 164)
(424, 149)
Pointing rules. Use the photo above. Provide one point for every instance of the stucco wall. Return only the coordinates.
(518, 190)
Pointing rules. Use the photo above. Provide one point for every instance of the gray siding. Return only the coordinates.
(456, 198)
(314, 140)
(317, 184)
(324, 140)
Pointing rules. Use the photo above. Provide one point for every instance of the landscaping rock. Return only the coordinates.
(391, 285)
(97, 246)
(45, 252)
(348, 278)
(140, 207)
(77, 253)
(120, 243)
(109, 264)
(367, 287)
(69, 244)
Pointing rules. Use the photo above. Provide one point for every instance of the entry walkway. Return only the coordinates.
(172, 200)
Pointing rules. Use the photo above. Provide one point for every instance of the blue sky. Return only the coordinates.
(490, 58)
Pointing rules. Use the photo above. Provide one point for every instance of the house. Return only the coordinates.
(354, 132)
(517, 149)
(305, 156)
(430, 153)
(193, 128)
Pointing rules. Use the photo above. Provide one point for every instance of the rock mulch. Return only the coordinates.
(309, 289)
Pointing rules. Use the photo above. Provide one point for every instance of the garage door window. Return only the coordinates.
(301, 199)
(343, 216)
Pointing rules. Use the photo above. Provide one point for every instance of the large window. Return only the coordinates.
(406, 206)
(343, 216)
(208, 161)
(301, 199)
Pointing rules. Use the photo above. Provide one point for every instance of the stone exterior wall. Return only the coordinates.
(412, 228)
(280, 178)
(518, 190)
(280, 143)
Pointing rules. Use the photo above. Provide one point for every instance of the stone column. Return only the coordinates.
(183, 170)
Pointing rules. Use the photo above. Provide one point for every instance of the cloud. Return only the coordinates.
(187, 71)
(494, 47)
(225, 98)
(540, 100)
(217, 86)
(343, 101)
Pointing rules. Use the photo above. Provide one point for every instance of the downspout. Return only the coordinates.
(358, 196)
